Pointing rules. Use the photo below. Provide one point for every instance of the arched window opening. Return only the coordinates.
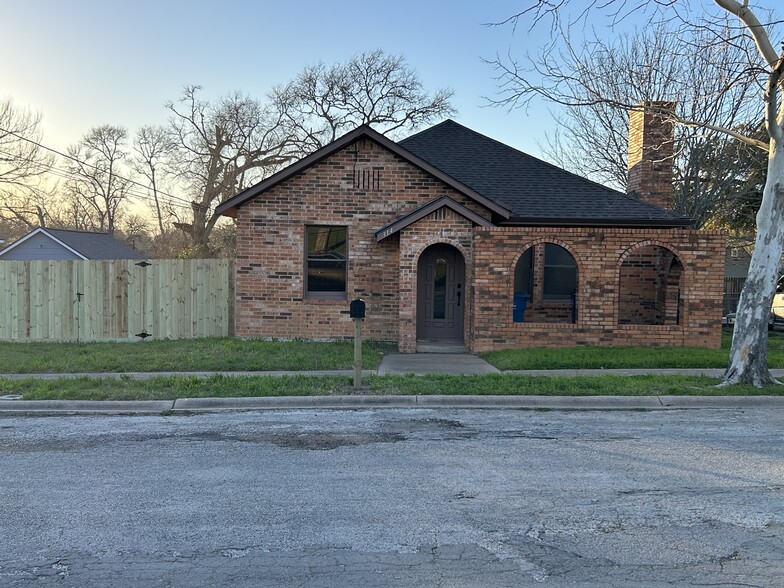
(523, 285)
(560, 272)
(649, 287)
(545, 285)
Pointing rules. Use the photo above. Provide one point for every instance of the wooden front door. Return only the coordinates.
(440, 293)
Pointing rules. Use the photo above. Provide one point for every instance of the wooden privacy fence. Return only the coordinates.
(116, 299)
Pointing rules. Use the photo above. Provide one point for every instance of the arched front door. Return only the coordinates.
(440, 293)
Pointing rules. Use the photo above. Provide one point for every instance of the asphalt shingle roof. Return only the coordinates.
(95, 245)
(534, 190)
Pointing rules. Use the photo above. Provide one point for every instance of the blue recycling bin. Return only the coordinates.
(518, 310)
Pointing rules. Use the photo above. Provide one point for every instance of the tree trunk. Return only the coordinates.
(748, 355)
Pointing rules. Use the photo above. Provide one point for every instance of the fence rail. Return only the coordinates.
(732, 288)
(117, 299)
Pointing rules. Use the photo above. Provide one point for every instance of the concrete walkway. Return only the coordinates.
(434, 363)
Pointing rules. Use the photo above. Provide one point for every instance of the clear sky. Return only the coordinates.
(83, 63)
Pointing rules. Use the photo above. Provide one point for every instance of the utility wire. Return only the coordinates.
(79, 161)
(68, 174)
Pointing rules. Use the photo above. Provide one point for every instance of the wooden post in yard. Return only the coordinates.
(356, 311)
(357, 353)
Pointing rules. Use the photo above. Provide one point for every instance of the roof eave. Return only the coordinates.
(426, 209)
(585, 222)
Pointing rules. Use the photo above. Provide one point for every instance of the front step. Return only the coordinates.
(440, 347)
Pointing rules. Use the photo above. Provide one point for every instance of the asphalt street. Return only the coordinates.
(394, 497)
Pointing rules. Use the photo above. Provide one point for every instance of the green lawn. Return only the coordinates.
(169, 388)
(627, 357)
(230, 354)
(184, 355)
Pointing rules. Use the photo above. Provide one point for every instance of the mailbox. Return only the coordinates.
(356, 309)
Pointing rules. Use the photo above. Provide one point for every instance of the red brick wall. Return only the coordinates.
(340, 190)
(365, 187)
(414, 239)
(599, 254)
(646, 287)
(651, 156)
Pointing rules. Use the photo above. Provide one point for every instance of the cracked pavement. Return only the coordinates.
(394, 497)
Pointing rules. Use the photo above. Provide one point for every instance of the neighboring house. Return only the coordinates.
(449, 235)
(46, 243)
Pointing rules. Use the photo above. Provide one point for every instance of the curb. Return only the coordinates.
(79, 407)
(344, 402)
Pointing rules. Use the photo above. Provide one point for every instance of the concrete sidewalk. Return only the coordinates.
(401, 364)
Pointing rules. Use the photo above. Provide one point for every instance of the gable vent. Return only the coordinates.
(440, 214)
(368, 180)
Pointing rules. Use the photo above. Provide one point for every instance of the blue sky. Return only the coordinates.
(85, 62)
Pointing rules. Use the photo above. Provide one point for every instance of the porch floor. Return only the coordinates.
(439, 346)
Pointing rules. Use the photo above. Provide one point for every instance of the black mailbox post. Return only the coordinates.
(356, 309)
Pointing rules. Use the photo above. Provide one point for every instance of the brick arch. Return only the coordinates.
(684, 279)
(442, 241)
(540, 241)
(649, 242)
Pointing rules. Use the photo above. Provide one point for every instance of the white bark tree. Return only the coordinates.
(748, 354)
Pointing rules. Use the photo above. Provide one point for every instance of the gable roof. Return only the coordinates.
(84, 244)
(535, 191)
(229, 207)
(519, 188)
(421, 212)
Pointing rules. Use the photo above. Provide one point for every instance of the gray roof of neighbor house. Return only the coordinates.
(88, 245)
(95, 245)
(535, 191)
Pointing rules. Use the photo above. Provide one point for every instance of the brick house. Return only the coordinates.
(449, 235)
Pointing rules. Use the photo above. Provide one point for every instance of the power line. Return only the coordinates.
(68, 174)
(79, 161)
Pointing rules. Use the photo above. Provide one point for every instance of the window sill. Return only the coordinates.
(546, 325)
(628, 326)
(340, 297)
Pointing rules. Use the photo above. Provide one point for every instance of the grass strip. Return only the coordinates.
(219, 354)
(169, 388)
(627, 357)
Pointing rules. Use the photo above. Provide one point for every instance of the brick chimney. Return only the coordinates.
(650, 160)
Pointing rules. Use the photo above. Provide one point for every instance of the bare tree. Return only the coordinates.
(99, 181)
(650, 65)
(324, 102)
(151, 147)
(220, 148)
(546, 77)
(24, 164)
